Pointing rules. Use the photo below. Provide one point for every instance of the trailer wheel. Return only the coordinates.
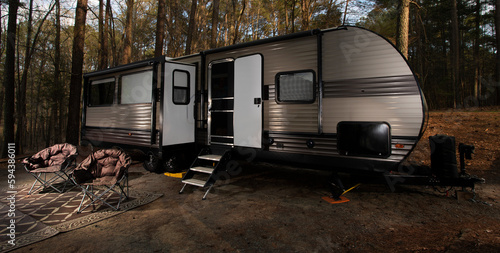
(172, 165)
(152, 163)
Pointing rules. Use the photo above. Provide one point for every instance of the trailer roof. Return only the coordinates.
(215, 50)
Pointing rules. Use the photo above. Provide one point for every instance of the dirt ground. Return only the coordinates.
(271, 208)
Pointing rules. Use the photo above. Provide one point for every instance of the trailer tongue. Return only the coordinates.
(443, 170)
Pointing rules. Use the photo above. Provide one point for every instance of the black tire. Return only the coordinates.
(152, 164)
(171, 165)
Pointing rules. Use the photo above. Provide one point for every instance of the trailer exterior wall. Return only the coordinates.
(283, 56)
(124, 124)
(134, 116)
(366, 79)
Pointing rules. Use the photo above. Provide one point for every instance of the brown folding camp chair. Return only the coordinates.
(101, 174)
(50, 165)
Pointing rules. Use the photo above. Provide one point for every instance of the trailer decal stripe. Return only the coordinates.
(378, 86)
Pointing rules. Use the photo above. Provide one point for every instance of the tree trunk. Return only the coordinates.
(114, 49)
(10, 78)
(345, 11)
(403, 27)
(29, 49)
(160, 28)
(238, 21)
(57, 95)
(103, 36)
(477, 34)
(215, 23)
(497, 36)
(293, 16)
(305, 4)
(21, 93)
(1, 109)
(1, 88)
(105, 41)
(191, 28)
(127, 45)
(455, 54)
(37, 115)
(75, 92)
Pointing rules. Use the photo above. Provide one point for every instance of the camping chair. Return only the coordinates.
(57, 161)
(107, 169)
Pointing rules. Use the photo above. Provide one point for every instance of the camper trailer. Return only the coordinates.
(125, 106)
(342, 99)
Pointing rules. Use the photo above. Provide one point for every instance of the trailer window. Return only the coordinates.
(136, 88)
(102, 92)
(180, 87)
(295, 87)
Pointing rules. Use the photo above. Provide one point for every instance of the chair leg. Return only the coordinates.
(94, 198)
(44, 182)
(66, 179)
(32, 186)
(84, 191)
(123, 194)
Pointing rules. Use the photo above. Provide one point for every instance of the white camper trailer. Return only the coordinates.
(340, 99)
(127, 106)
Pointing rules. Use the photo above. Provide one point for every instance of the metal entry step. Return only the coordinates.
(195, 182)
(203, 170)
(210, 157)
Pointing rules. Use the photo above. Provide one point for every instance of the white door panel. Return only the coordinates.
(178, 115)
(248, 101)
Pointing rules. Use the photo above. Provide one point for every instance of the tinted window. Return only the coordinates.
(181, 87)
(102, 92)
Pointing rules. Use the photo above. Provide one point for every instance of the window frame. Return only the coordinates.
(187, 89)
(98, 82)
(120, 82)
(277, 85)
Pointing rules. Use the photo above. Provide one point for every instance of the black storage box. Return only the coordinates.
(443, 156)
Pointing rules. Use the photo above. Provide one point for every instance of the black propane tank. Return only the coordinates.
(443, 156)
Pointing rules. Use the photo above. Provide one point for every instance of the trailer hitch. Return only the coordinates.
(466, 152)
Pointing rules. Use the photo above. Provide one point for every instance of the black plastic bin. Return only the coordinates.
(443, 156)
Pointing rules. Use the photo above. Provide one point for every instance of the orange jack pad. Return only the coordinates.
(333, 201)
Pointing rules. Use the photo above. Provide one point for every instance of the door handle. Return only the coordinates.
(257, 101)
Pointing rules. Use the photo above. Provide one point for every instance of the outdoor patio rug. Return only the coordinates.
(43, 215)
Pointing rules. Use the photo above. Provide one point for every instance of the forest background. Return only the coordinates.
(46, 45)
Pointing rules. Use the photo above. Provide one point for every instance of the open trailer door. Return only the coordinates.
(248, 101)
(178, 103)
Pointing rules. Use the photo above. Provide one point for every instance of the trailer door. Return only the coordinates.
(248, 101)
(178, 103)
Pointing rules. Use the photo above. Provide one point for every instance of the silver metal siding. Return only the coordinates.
(327, 146)
(134, 116)
(301, 118)
(367, 79)
(283, 56)
(120, 136)
(379, 86)
(357, 53)
(403, 113)
(290, 55)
